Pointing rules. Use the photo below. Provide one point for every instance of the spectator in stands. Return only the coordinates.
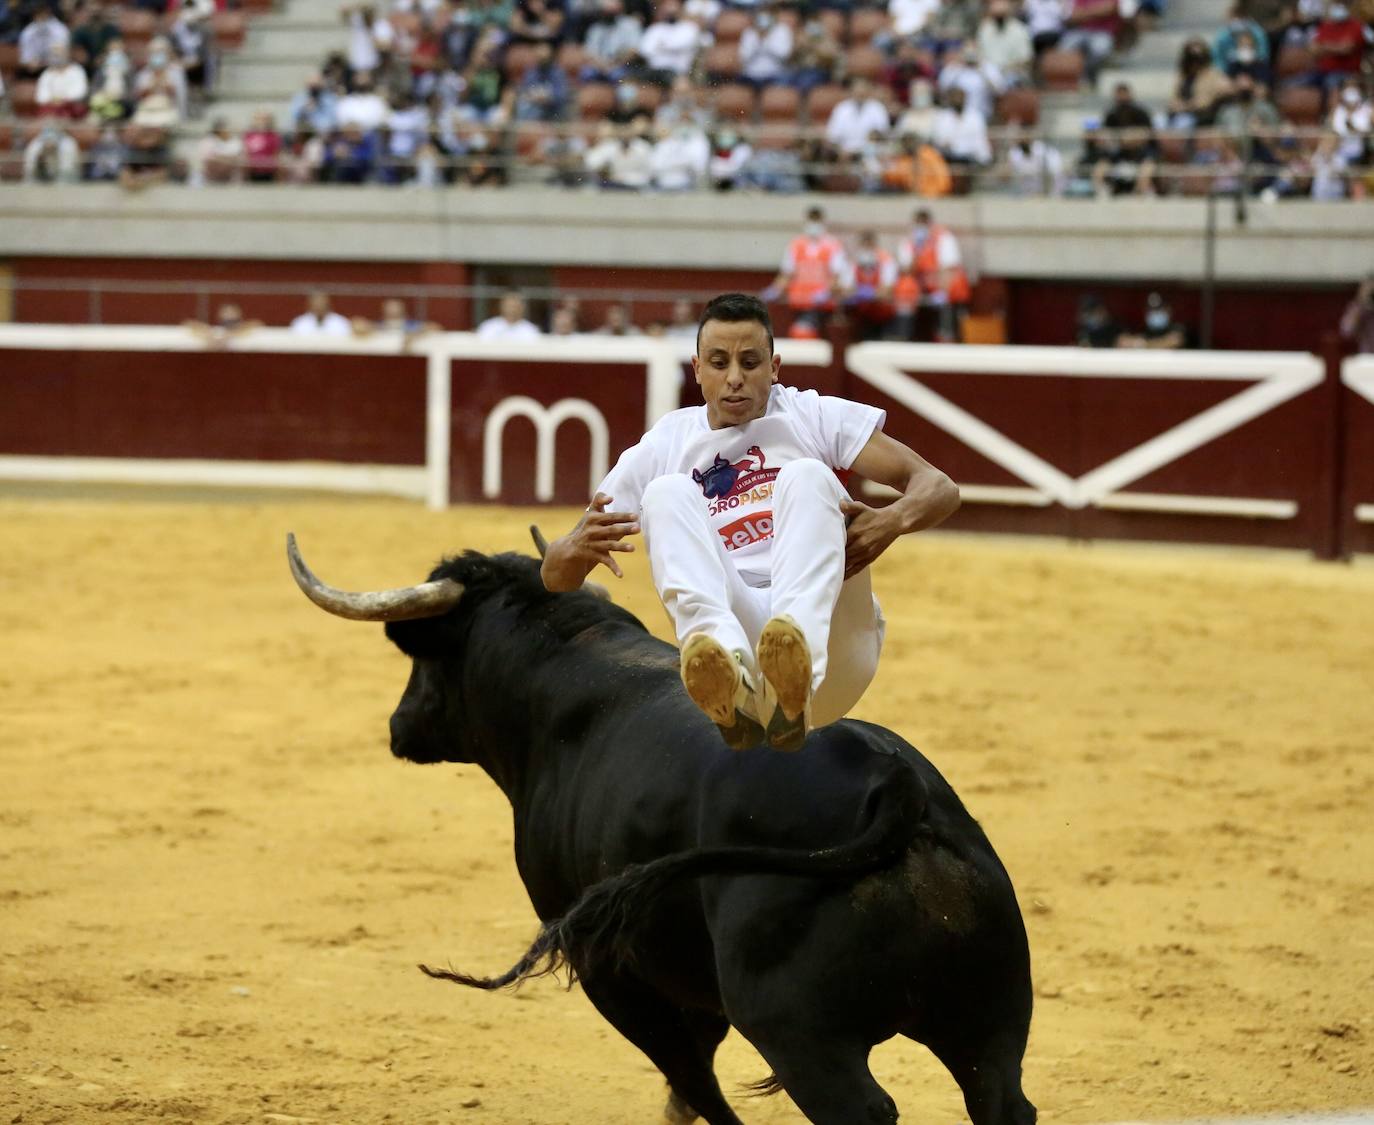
(814, 269)
(912, 63)
(1218, 157)
(370, 38)
(1161, 330)
(510, 322)
(911, 17)
(954, 22)
(932, 272)
(730, 155)
(407, 132)
(917, 168)
(319, 319)
(95, 34)
(868, 290)
(316, 106)
(1227, 40)
(106, 156)
(611, 44)
(1248, 59)
(304, 160)
(1004, 42)
(1352, 119)
(1357, 322)
(1034, 167)
(228, 326)
(191, 39)
(537, 21)
(960, 132)
(1201, 86)
(1128, 163)
(486, 97)
(351, 156)
(919, 118)
(1247, 110)
(681, 157)
(543, 94)
(784, 170)
(764, 49)
(62, 87)
(683, 105)
(396, 320)
(563, 322)
(683, 324)
(160, 88)
(816, 56)
(1328, 168)
(1096, 328)
(111, 96)
(980, 82)
(219, 156)
(1090, 29)
(147, 159)
(704, 12)
(670, 45)
(616, 323)
(856, 117)
(362, 106)
(43, 35)
(622, 159)
(1339, 43)
(1045, 22)
(52, 157)
(261, 149)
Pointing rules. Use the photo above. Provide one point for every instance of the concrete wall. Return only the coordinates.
(1116, 240)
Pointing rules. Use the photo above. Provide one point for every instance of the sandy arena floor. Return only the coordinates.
(215, 882)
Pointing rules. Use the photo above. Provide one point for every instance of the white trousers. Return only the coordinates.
(704, 593)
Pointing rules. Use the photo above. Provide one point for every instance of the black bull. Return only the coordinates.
(819, 902)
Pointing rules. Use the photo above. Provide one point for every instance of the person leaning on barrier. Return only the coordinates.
(1161, 330)
(228, 325)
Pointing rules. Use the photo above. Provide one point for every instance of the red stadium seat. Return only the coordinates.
(1061, 70)
(865, 23)
(779, 103)
(735, 102)
(530, 140)
(24, 99)
(823, 99)
(730, 25)
(721, 62)
(594, 100)
(1301, 105)
(136, 25)
(1295, 60)
(1173, 147)
(865, 62)
(777, 135)
(230, 28)
(1020, 104)
(9, 60)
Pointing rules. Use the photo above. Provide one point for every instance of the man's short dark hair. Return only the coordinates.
(813, 214)
(733, 308)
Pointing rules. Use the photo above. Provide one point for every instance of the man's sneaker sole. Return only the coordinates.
(785, 661)
(715, 681)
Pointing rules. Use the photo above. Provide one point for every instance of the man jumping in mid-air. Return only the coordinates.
(760, 556)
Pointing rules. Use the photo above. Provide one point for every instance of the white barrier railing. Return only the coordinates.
(1357, 373)
(661, 357)
(1277, 377)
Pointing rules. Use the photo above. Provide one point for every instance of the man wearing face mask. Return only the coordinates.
(1339, 44)
(932, 274)
(1352, 119)
(162, 79)
(314, 106)
(764, 49)
(1005, 42)
(869, 291)
(670, 45)
(813, 267)
(1227, 40)
(1247, 109)
(1161, 330)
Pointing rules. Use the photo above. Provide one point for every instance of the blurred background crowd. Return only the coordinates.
(920, 97)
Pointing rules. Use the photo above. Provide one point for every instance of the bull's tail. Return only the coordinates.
(602, 925)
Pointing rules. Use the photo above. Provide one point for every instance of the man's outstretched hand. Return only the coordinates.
(871, 531)
(599, 534)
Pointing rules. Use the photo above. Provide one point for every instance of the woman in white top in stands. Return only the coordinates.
(757, 552)
(510, 323)
(62, 87)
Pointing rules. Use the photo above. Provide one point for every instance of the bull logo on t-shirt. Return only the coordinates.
(721, 478)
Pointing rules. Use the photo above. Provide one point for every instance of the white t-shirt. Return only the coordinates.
(332, 325)
(499, 328)
(736, 466)
(851, 121)
(671, 46)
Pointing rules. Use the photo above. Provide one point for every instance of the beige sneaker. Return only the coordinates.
(785, 661)
(716, 681)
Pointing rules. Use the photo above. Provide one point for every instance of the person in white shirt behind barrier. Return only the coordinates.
(510, 322)
(319, 319)
(757, 551)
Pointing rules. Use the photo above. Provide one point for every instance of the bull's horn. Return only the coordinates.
(540, 543)
(429, 599)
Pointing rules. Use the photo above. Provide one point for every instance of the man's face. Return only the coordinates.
(393, 311)
(513, 307)
(319, 303)
(735, 369)
(1123, 95)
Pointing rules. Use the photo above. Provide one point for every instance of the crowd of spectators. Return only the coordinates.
(923, 97)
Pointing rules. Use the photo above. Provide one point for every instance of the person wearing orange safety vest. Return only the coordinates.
(933, 275)
(813, 269)
(870, 287)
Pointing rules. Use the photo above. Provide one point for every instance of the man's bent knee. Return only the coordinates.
(810, 475)
(670, 490)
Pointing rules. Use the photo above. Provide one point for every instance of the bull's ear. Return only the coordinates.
(423, 639)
